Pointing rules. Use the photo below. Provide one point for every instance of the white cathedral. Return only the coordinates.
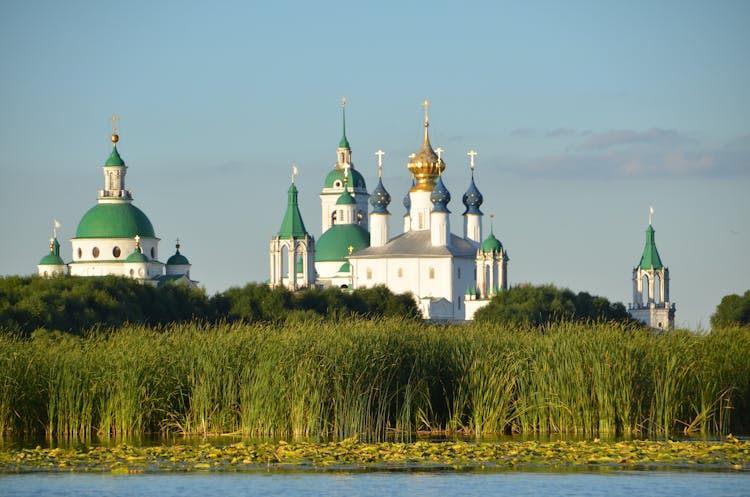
(450, 276)
(116, 238)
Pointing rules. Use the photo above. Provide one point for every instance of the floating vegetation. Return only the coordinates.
(351, 454)
(384, 379)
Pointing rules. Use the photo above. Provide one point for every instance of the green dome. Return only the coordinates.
(346, 199)
(137, 256)
(178, 260)
(355, 179)
(491, 244)
(119, 220)
(333, 245)
(51, 259)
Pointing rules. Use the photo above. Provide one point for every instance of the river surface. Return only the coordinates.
(362, 484)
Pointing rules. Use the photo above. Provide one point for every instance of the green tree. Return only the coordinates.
(732, 310)
(537, 305)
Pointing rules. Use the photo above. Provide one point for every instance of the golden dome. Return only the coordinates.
(426, 166)
(114, 138)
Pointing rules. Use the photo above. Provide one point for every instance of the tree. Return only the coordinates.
(732, 310)
(537, 305)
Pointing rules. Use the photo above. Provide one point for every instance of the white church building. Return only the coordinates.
(449, 275)
(116, 238)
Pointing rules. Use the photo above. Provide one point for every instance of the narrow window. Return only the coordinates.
(432, 273)
(400, 272)
(95, 252)
(369, 273)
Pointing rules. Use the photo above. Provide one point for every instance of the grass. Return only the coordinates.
(373, 379)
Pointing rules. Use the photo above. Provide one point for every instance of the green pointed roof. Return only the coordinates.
(344, 143)
(292, 225)
(114, 158)
(650, 258)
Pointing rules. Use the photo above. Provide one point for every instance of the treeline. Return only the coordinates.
(74, 305)
(375, 378)
(539, 305)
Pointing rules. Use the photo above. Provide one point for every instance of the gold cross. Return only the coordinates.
(471, 154)
(114, 124)
(426, 105)
(380, 155)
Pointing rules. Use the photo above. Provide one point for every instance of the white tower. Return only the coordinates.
(334, 184)
(472, 215)
(379, 216)
(491, 267)
(651, 304)
(294, 244)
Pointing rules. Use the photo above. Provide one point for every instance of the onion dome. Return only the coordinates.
(53, 258)
(473, 199)
(178, 259)
(407, 198)
(346, 199)
(426, 165)
(380, 199)
(440, 197)
(333, 245)
(491, 244)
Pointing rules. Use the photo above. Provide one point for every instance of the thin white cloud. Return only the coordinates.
(637, 153)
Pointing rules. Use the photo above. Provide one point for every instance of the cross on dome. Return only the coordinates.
(471, 155)
(380, 155)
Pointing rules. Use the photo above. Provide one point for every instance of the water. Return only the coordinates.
(411, 484)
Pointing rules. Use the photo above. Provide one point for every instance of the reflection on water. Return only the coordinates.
(411, 484)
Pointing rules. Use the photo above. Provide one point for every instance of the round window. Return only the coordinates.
(116, 252)
(80, 253)
(140, 272)
(95, 252)
(337, 184)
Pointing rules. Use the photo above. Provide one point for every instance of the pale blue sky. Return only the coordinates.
(583, 115)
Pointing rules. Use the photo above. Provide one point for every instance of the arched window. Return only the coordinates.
(334, 216)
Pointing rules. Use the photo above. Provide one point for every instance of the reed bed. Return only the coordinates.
(378, 379)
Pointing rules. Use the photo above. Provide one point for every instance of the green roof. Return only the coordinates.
(333, 245)
(346, 199)
(650, 258)
(137, 256)
(355, 179)
(114, 158)
(292, 225)
(116, 220)
(51, 259)
(178, 260)
(491, 244)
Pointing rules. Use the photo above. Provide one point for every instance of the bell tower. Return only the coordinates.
(651, 304)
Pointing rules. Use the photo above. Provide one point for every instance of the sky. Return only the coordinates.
(583, 115)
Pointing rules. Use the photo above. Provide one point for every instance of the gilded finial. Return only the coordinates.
(426, 105)
(350, 248)
(650, 215)
(295, 172)
(115, 137)
(177, 244)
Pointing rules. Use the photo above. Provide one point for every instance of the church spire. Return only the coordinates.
(114, 173)
(344, 143)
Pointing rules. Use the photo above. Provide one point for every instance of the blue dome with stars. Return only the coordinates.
(473, 199)
(440, 197)
(380, 199)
